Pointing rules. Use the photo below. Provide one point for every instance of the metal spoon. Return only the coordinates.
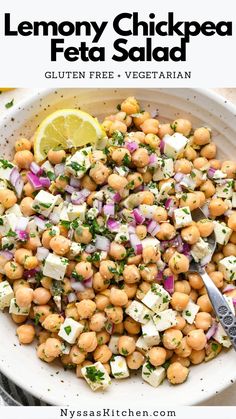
(220, 305)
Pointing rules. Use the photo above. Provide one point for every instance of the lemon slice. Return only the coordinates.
(64, 129)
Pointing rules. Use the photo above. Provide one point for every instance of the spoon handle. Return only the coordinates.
(221, 308)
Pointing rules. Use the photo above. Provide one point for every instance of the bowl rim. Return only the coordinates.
(41, 93)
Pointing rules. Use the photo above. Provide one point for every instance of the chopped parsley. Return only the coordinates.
(94, 375)
(6, 164)
(9, 104)
(67, 330)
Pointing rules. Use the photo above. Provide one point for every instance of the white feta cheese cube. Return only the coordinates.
(76, 211)
(166, 189)
(182, 217)
(79, 163)
(75, 249)
(123, 234)
(164, 170)
(18, 311)
(141, 344)
(234, 200)
(152, 375)
(200, 250)
(230, 303)
(55, 266)
(221, 337)
(63, 212)
(119, 367)
(225, 190)
(6, 168)
(44, 202)
(3, 184)
(70, 330)
(222, 232)
(92, 213)
(165, 319)
(188, 182)
(8, 243)
(121, 170)
(157, 298)
(113, 344)
(7, 222)
(65, 348)
(190, 312)
(96, 376)
(151, 242)
(218, 174)
(15, 209)
(47, 167)
(174, 145)
(228, 268)
(148, 211)
(6, 294)
(150, 334)
(139, 312)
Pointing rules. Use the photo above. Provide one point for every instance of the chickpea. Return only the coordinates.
(83, 235)
(19, 283)
(201, 196)
(21, 255)
(177, 373)
(131, 274)
(205, 227)
(41, 296)
(200, 163)
(165, 129)
(140, 118)
(208, 188)
(141, 231)
(18, 318)
(183, 126)
(166, 232)
(182, 286)
(126, 345)
(97, 322)
(233, 237)
(183, 350)
(117, 182)
(190, 234)
(130, 106)
(118, 297)
(150, 272)
(135, 360)
(134, 260)
(102, 354)
(131, 326)
(229, 250)
(99, 282)
(197, 357)
(87, 294)
(41, 353)
(119, 154)
(23, 159)
(130, 290)
(22, 144)
(86, 308)
(208, 151)
(117, 126)
(24, 296)
(7, 198)
(71, 311)
(87, 341)
(103, 337)
(217, 207)
(203, 321)
(31, 262)
(150, 254)
(202, 136)
(188, 328)
(25, 333)
(107, 268)
(183, 166)
(150, 126)
(229, 167)
(13, 270)
(42, 312)
(147, 176)
(160, 215)
(196, 339)
(117, 251)
(217, 278)
(53, 322)
(140, 157)
(43, 336)
(56, 156)
(77, 356)
(114, 314)
(195, 281)
(190, 153)
(26, 206)
(99, 173)
(181, 323)
(168, 253)
(157, 356)
(210, 267)
(147, 197)
(28, 189)
(190, 200)
(179, 263)
(60, 245)
(52, 348)
(171, 338)
(232, 221)
(179, 301)
(84, 269)
(204, 303)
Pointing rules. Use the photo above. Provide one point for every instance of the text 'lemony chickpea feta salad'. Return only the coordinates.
(97, 236)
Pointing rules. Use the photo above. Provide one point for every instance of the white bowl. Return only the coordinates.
(20, 363)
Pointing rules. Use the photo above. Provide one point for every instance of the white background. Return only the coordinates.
(24, 60)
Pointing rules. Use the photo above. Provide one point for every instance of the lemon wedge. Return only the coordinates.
(64, 129)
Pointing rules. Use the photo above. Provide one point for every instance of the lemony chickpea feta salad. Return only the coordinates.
(96, 243)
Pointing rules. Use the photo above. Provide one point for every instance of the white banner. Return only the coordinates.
(130, 44)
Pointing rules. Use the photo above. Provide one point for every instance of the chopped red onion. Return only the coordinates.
(98, 205)
(113, 225)
(45, 182)
(109, 327)
(79, 197)
(40, 223)
(211, 172)
(77, 286)
(90, 248)
(178, 188)
(72, 297)
(42, 253)
(59, 169)
(109, 209)
(34, 180)
(36, 169)
(74, 182)
(149, 211)
(205, 209)
(131, 229)
(30, 273)
(67, 197)
(22, 223)
(234, 301)
(54, 217)
(70, 189)
(88, 282)
(169, 202)
(178, 176)
(6, 254)
(153, 228)
(131, 146)
(22, 235)
(162, 146)
(169, 284)
(153, 160)
(139, 217)
(14, 176)
(136, 244)
(228, 288)
(212, 331)
(117, 198)
(19, 186)
(159, 277)
(102, 243)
